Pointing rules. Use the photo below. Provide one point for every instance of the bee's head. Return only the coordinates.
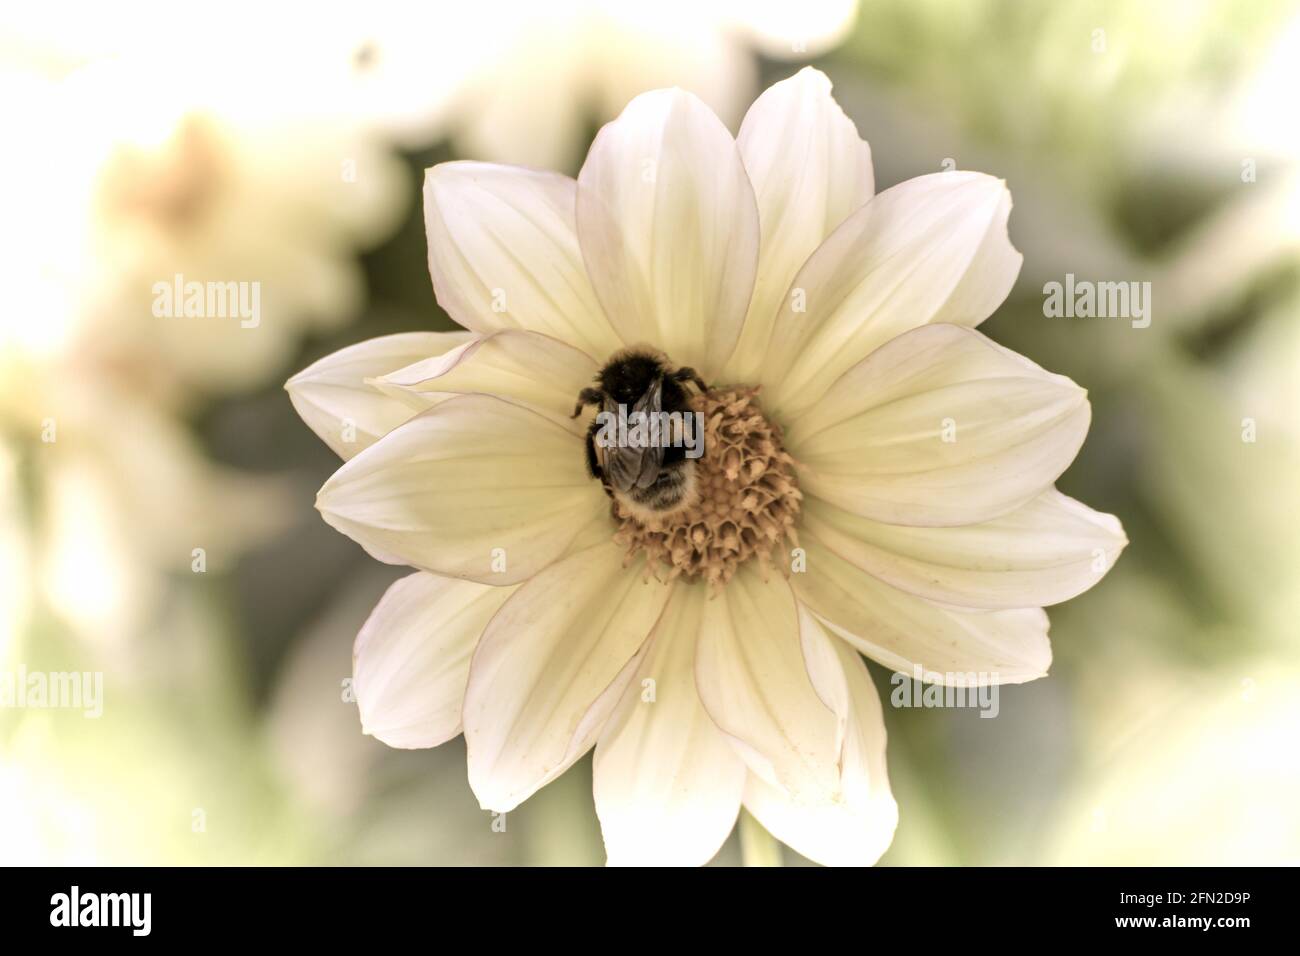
(629, 375)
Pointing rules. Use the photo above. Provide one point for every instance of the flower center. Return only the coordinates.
(172, 188)
(745, 503)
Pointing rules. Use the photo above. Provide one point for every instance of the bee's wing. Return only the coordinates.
(629, 466)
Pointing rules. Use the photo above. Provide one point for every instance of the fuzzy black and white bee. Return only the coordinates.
(652, 479)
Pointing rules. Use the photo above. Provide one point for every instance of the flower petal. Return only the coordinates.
(550, 669)
(856, 827)
(932, 249)
(332, 396)
(1044, 552)
(941, 426)
(411, 659)
(904, 632)
(503, 254)
(473, 488)
(667, 782)
(669, 228)
(526, 368)
(754, 683)
(810, 171)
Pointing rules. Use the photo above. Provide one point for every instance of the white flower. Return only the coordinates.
(116, 497)
(14, 559)
(265, 176)
(760, 261)
(505, 75)
(147, 157)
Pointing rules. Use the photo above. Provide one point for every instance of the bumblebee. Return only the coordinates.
(657, 478)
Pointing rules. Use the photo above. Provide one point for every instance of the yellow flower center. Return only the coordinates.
(169, 189)
(746, 502)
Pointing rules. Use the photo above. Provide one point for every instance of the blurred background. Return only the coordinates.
(156, 488)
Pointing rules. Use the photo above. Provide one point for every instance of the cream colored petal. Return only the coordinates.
(411, 659)
(755, 684)
(332, 396)
(550, 669)
(1044, 552)
(857, 825)
(810, 171)
(825, 673)
(525, 368)
(941, 426)
(669, 228)
(902, 631)
(474, 488)
(667, 782)
(503, 254)
(932, 249)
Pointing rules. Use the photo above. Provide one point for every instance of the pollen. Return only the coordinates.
(746, 501)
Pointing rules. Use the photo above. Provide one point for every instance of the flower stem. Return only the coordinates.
(757, 846)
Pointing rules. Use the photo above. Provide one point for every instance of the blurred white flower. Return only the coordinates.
(160, 148)
(1200, 771)
(14, 557)
(131, 788)
(523, 82)
(116, 497)
(218, 151)
(544, 621)
(1237, 140)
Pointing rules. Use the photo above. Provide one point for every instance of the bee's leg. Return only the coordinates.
(588, 396)
(688, 374)
(593, 461)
